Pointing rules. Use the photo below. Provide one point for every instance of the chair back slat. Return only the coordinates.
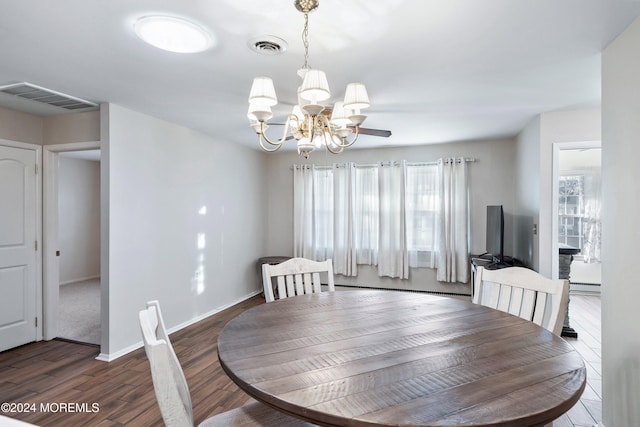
(541, 304)
(301, 276)
(528, 304)
(291, 286)
(492, 297)
(515, 307)
(300, 284)
(504, 298)
(524, 293)
(282, 286)
(316, 284)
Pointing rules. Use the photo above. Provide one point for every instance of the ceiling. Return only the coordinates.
(436, 70)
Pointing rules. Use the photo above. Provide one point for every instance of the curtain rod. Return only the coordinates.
(375, 165)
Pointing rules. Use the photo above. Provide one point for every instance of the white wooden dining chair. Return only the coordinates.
(296, 276)
(172, 391)
(524, 293)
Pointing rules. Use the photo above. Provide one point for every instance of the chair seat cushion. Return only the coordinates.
(254, 414)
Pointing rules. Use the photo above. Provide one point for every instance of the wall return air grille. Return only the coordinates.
(47, 96)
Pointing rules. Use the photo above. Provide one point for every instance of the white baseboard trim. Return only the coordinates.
(81, 279)
(109, 357)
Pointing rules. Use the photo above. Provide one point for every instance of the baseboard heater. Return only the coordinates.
(452, 294)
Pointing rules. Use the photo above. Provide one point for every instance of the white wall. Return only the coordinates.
(159, 176)
(59, 129)
(578, 159)
(76, 127)
(535, 179)
(558, 127)
(527, 196)
(19, 126)
(490, 179)
(78, 219)
(620, 231)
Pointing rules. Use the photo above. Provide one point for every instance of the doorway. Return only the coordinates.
(71, 204)
(79, 246)
(577, 213)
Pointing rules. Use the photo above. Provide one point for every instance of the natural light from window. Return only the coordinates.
(198, 280)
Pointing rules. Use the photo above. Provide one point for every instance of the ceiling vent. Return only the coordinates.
(268, 45)
(47, 96)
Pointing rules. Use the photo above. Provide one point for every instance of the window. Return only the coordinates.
(421, 202)
(571, 208)
(389, 214)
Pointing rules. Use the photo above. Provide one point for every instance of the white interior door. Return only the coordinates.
(18, 251)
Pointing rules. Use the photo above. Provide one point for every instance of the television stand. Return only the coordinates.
(490, 263)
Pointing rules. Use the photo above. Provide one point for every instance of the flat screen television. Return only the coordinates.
(495, 233)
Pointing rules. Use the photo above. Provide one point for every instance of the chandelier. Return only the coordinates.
(310, 123)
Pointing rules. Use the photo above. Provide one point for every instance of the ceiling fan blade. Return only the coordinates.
(375, 132)
(363, 131)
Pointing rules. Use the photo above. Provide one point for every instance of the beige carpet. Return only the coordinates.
(79, 312)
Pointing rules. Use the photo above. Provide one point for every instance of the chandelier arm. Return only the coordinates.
(329, 144)
(324, 122)
(265, 148)
(355, 138)
(261, 133)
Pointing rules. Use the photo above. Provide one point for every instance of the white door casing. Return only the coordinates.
(555, 192)
(51, 282)
(20, 298)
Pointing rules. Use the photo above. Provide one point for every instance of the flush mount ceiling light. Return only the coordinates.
(173, 34)
(310, 123)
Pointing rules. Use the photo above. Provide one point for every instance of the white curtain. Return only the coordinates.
(392, 248)
(322, 219)
(303, 212)
(452, 241)
(367, 207)
(344, 211)
(422, 202)
(392, 215)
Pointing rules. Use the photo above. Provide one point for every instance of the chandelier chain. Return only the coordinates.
(305, 41)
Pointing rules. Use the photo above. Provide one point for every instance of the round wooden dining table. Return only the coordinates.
(390, 358)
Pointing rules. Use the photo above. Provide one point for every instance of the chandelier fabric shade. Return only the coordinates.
(263, 92)
(310, 123)
(339, 115)
(356, 96)
(315, 87)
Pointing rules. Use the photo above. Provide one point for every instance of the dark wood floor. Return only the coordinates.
(55, 372)
(58, 371)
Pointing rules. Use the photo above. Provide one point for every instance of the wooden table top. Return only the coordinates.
(399, 358)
